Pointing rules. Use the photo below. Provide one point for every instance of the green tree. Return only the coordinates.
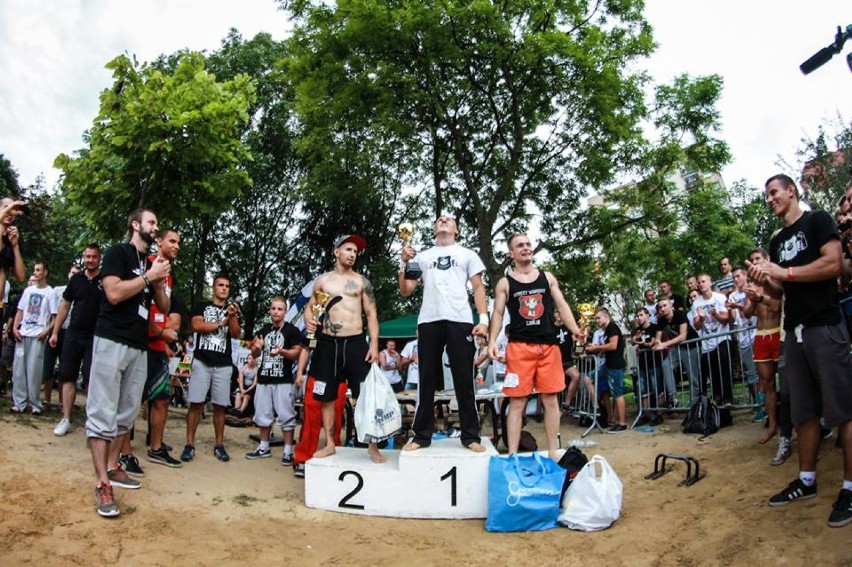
(8, 179)
(497, 112)
(166, 141)
(827, 162)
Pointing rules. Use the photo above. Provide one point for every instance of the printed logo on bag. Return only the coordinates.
(382, 417)
(517, 492)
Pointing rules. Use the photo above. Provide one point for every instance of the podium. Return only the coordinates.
(444, 480)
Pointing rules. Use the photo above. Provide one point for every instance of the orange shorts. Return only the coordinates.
(767, 345)
(529, 366)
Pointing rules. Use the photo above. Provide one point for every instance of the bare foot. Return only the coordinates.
(768, 434)
(411, 446)
(326, 451)
(476, 447)
(553, 456)
(375, 456)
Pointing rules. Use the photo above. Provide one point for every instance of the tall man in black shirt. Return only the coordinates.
(119, 359)
(82, 297)
(805, 263)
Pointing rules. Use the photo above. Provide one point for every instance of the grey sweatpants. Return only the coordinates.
(115, 388)
(27, 373)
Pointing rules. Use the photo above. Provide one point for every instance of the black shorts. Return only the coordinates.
(76, 350)
(335, 360)
(158, 383)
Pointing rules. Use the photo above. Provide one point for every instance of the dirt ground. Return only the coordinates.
(252, 512)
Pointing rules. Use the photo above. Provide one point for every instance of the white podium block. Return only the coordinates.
(444, 480)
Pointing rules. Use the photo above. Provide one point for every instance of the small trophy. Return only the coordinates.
(412, 269)
(586, 311)
(318, 309)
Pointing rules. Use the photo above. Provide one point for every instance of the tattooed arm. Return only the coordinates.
(369, 305)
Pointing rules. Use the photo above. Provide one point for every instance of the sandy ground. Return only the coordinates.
(252, 512)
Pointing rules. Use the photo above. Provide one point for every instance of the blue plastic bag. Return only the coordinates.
(523, 493)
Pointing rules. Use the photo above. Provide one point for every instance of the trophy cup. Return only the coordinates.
(586, 311)
(318, 309)
(412, 269)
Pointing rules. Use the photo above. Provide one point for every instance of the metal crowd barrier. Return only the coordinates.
(583, 405)
(719, 365)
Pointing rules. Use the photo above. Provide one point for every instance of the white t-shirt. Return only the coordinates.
(652, 311)
(712, 325)
(59, 290)
(446, 271)
(745, 338)
(502, 342)
(413, 372)
(37, 305)
(392, 373)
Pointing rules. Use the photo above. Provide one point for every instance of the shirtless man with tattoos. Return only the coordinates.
(342, 353)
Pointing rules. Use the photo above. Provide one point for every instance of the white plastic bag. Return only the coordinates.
(593, 501)
(377, 414)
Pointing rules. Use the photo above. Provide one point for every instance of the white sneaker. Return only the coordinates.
(63, 427)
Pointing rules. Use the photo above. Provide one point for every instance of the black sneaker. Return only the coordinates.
(161, 457)
(220, 453)
(795, 491)
(299, 470)
(259, 454)
(188, 453)
(841, 515)
(130, 464)
(287, 460)
(617, 428)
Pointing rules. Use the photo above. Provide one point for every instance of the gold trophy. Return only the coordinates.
(321, 299)
(412, 269)
(586, 311)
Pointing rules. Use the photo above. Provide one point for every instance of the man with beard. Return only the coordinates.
(82, 299)
(342, 353)
(119, 361)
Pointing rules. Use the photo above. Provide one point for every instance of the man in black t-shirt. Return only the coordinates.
(275, 348)
(614, 364)
(119, 358)
(806, 261)
(650, 366)
(673, 329)
(81, 298)
(215, 323)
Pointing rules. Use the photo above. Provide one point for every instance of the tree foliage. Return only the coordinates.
(500, 113)
(160, 140)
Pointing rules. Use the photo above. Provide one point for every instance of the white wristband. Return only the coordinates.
(483, 319)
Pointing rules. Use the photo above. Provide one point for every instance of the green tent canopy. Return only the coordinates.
(403, 328)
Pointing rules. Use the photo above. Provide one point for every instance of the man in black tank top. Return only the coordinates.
(533, 360)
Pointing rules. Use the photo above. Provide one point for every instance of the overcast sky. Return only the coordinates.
(52, 56)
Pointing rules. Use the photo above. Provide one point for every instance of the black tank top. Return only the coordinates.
(531, 311)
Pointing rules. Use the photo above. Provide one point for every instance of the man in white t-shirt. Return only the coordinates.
(391, 362)
(446, 320)
(711, 318)
(747, 330)
(31, 329)
(409, 361)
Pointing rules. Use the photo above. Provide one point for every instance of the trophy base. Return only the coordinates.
(412, 271)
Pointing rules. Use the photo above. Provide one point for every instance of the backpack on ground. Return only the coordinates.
(573, 460)
(703, 417)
